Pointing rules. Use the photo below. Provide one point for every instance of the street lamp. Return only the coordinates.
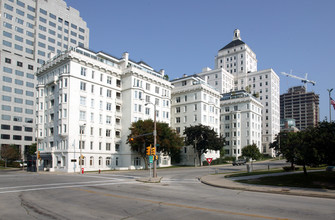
(155, 134)
(82, 127)
(330, 114)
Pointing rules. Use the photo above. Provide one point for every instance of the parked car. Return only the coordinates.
(24, 164)
(239, 162)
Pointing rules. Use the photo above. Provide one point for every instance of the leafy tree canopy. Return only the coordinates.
(203, 138)
(251, 152)
(169, 142)
(10, 152)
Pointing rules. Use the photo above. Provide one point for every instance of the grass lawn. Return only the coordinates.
(322, 179)
(258, 172)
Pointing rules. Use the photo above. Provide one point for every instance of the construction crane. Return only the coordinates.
(303, 80)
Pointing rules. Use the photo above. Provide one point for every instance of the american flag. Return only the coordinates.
(332, 102)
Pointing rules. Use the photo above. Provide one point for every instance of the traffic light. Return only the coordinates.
(153, 151)
(148, 150)
(156, 157)
(131, 139)
(38, 154)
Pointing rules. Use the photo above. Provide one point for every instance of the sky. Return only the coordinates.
(184, 36)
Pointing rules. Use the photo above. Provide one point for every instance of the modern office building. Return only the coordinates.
(32, 31)
(86, 104)
(241, 121)
(238, 60)
(300, 105)
(194, 102)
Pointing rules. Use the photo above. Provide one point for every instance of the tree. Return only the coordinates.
(30, 150)
(10, 152)
(203, 138)
(251, 152)
(285, 144)
(325, 140)
(169, 142)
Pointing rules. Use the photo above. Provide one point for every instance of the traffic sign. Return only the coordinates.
(151, 158)
(209, 160)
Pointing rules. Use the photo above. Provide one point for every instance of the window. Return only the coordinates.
(83, 71)
(108, 132)
(108, 106)
(8, 7)
(82, 116)
(178, 100)
(82, 100)
(108, 146)
(82, 86)
(108, 119)
(109, 80)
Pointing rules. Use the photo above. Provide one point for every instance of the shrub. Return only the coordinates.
(288, 168)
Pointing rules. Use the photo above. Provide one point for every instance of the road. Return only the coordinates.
(116, 195)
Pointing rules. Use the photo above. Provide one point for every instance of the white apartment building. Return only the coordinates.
(241, 122)
(86, 104)
(237, 59)
(194, 102)
(31, 31)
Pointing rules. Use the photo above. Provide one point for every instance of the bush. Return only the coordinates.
(216, 161)
(289, 168)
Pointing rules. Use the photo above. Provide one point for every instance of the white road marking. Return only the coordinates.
(70, 186)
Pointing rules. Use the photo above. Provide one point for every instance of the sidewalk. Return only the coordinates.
(219, 180)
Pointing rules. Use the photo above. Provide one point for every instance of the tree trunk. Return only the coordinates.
(145, 162)
(199, 155)
(305, 171)
(5, 163)
(292, 165)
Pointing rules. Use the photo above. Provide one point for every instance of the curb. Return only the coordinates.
(274, 190)
(150, 179)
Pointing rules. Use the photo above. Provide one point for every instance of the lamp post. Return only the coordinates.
(82, 127)
(155, 135)
(330, 114)
(36, 162)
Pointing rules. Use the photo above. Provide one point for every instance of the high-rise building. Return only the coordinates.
(241, 121)
(238, 60)
(194, 102)
(32, 32)
(300, 105)
(86, 104)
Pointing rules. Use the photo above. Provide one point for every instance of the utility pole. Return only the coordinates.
(330, 113)
(82, 127)
(155, 141)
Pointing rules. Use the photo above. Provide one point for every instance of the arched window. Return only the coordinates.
(91, 161)
(108, 161)
(100, 161)
(82, 161)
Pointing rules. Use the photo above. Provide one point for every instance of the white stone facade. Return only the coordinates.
(241, 122)
(238, 60)
(100, 95)
(194, 102)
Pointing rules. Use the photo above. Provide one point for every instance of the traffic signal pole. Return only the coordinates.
(155, 143)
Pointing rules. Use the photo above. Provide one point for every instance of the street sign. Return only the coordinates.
(151, 158)
(209, 160)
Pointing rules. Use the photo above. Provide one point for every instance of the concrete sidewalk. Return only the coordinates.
(219, 180)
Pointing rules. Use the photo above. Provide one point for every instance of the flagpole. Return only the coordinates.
(330, 105)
